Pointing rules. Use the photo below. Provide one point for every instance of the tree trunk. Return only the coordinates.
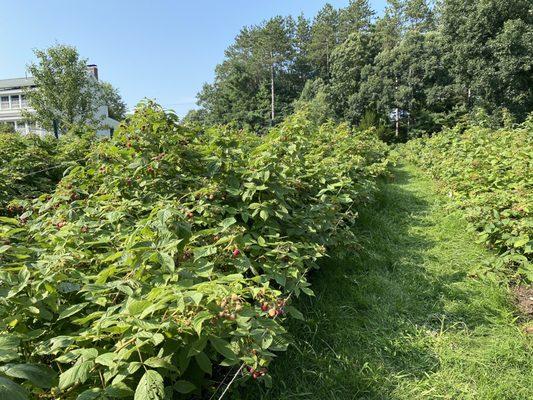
(272, 95)
(397, 113)
(327, 59)
(56, 129)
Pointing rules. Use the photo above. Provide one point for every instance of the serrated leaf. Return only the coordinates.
(8, 348)
(119, 390)
(521, 241)
(75, 375)
(150, 387)
(9, 390)
(225, 224)
(107, 359)
(204, 251)
(67, 312)
(158, 362)
(223, 347)
(90, 394)
(40, 375)
(11, 221)
(167, 262)
(199, 319)
(138, 306)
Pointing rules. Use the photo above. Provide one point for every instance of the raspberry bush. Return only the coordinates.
(489, 174)
(172, 253)
(31, 165)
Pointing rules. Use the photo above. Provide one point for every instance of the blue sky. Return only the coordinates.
(162, 49)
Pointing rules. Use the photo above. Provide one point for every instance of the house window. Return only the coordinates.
(4, 102)
(15, 101)
(23, 101)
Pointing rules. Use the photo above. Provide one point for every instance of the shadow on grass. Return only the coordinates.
(374, 314)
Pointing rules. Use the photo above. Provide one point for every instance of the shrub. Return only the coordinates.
(488, 173)
(31, 165)
(172, 253)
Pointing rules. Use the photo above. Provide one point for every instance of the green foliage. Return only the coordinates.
(404, 318)
(490, 47)
(111, 98)
(6, 128)
(371, 121)
(431, 64)
(64, 91)
(314, 101)
(259, 78)
(487, 172)
(173, 250)
(31, 165)
(349, 61)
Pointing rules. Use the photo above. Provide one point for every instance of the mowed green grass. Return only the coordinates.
(403, 319)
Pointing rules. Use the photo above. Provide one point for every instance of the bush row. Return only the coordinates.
(172, 254)
(31, 165)
(489, 173)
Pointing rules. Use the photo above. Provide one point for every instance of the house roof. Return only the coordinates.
(16, 83)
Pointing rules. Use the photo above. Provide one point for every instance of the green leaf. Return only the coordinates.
(225, 224)
(9, 390)
(86, 354)
(204, 362)
(184, 386)
(196, 297)
(11, 221)
(75, 375)
(90, 394)
(223, 347)
(264, 214)
(204, 251)
(521, 241)
(67, 312)
(199, 319)
(40, 375)
(295, 313)
(138, 306)
(158, 362)
(150, 387)
(8, 348)
(266, 341)
(119, 390)
(107, 359)
(167, 262)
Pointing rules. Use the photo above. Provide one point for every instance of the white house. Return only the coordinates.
(13, 101)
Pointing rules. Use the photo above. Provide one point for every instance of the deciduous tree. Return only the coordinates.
(65, 94)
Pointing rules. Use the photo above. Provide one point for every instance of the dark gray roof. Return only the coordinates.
(15, 83)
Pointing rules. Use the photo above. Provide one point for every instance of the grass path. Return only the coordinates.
(403, 320)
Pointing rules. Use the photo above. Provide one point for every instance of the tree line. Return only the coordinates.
(418, 67)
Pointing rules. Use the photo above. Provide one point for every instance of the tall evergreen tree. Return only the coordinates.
(324, 39)
(356, 17)
(259, 79)
(349, 60)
